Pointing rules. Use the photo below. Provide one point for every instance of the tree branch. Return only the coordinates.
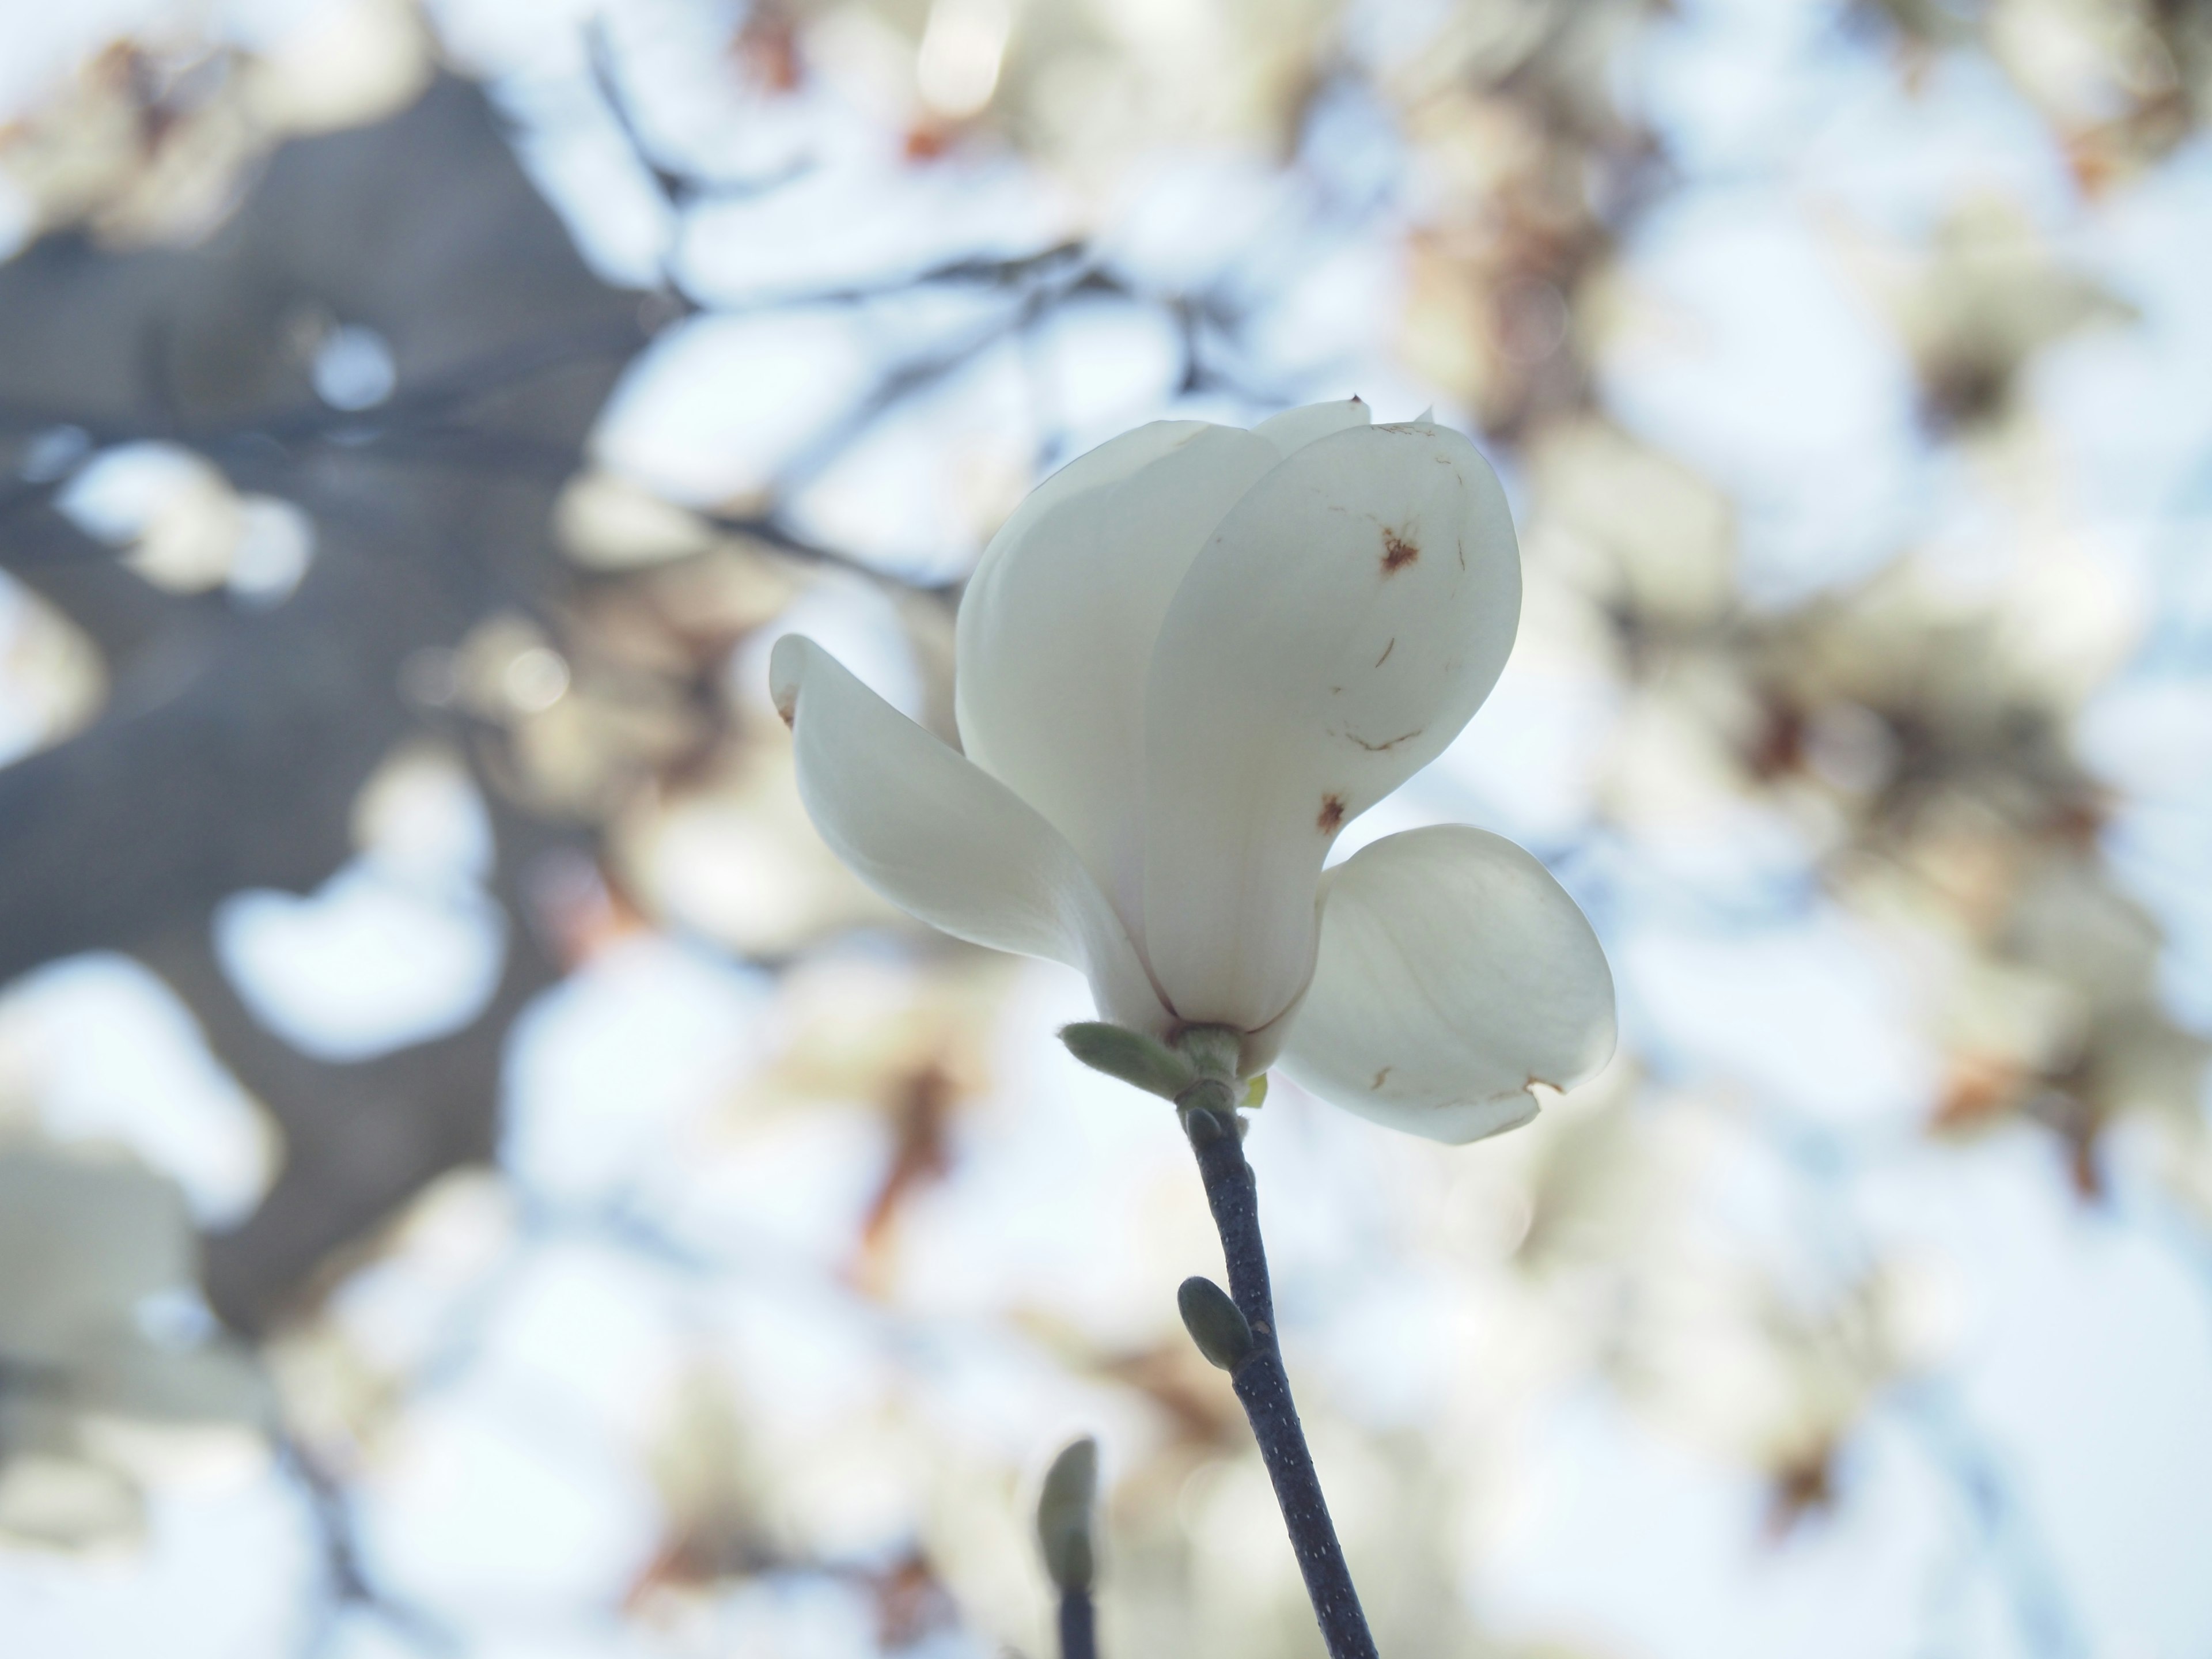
(1078, 1625)
(1263, 1384)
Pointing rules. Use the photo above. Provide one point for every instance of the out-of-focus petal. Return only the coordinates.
(944, 840)
(1349, 614)
(213, 1382)
(1454, 972)
(1056, 628)
(1294, 428)
(83, 1241)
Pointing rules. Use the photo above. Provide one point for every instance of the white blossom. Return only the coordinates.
(100, 1328)
(1187, 662)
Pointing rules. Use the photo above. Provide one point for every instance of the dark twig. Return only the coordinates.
(1078, 1625)
(1263, 1385)
(679, 187)
(348, 1581)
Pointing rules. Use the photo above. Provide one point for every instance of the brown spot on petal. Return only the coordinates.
(787, 706)
(1386, 650)
(1331, 814)
(1382, 1075)
(1397, 552)
(1386, 746)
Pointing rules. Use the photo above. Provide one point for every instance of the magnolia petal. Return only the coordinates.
(1056, 628)
(1454, 972)
(1294, 428)
(1348, 615)
(944, 840)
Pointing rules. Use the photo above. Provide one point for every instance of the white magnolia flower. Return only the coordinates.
(1189, 660)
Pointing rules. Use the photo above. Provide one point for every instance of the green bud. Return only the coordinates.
(1213, 1050)
(1064, 1516)
(1214, 1322)
(1207, 1118)
(1144, 1062)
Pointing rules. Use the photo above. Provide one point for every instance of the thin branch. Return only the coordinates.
(1078, 1625)
(679, 187)
(347, 1579)
(2044, 1615)
(1263, 1386)
(2007, 1531)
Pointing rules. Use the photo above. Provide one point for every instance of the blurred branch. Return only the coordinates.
(421, 408)
(2049, 1627)
(234, 744)
(349, 1583)
(680, 187)
(361, 1138)
(1829, 1164)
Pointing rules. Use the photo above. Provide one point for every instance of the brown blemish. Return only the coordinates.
(1384, 748)
(1331, 814)
(787, 706)
(1397, 552)
(1386, 650)
(1381, 1075)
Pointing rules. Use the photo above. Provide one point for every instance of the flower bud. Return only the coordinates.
(1064, 1517)
(1208, 1115)
(1214, 1322)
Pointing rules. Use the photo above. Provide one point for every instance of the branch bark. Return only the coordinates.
(1262, 1384)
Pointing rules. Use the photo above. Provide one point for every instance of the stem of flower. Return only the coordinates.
(1078, 1629)
(1263, 1386)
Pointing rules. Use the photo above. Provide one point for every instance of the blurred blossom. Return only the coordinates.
(609, 523)
(363, 966)
(185, 529)
(99, 1322)
(54, 679)
(961, 44)
(399, 945)
(98, 1053)
(150, 142)
(1987, 299)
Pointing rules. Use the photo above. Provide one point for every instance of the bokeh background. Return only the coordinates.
(477, 1179)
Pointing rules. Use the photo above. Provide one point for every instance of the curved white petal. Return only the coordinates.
(1349, 614)
(944, 840)
(1454, 972)
(1057, 626)
(1294, 428)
